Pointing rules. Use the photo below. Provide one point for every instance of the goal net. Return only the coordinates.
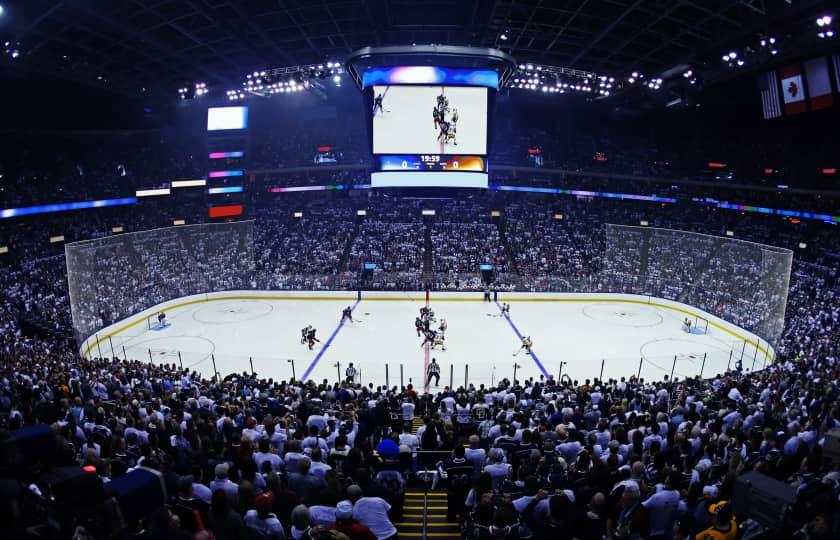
(114, 277)
(699, 325)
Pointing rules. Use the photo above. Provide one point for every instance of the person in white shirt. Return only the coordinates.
(372, 512)
(223, 482)
(266, 454)
(407, 410)
(410, 440)
(664, 507)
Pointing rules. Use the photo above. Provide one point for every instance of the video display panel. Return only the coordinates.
(429, 120)
(220, 118)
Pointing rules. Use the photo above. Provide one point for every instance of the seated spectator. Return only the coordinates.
(345, 523)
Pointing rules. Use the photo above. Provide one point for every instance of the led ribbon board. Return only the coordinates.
(64, 207)
(430, 75)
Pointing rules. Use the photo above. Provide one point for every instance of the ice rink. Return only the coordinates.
(405, 126)
(585, 333)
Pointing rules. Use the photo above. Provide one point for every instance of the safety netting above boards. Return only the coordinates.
(742, 282)
(114, 277)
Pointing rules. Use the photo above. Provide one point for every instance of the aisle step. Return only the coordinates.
(438, 525)
(433, 518)
(430, 534)
(430, 524)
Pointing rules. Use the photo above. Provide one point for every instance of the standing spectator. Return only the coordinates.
(224, 522)
(263, 520)
(306, 484)
(372, 512)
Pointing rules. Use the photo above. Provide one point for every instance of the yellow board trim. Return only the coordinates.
(757, 344)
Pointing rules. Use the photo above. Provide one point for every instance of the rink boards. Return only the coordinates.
(618, 334)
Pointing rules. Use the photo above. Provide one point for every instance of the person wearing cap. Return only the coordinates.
(724, 526)
(344, 523)
(261, 518)
(222, 482)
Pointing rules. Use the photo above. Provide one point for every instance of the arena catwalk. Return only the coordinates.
(621, 334)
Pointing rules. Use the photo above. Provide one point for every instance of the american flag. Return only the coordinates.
(768, 84)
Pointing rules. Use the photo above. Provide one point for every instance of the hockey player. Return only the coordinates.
(438, 339)
(436, 117)
(161, 319)
(687, 325)
(304, 332)
(505, 309)
(429, 337)
(418, 325)
(347, 314)
(311, 339)
(443, 326)
(526, 344)
(444, 131)
(377, 104)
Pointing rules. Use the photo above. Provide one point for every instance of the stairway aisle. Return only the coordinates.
(436, 527)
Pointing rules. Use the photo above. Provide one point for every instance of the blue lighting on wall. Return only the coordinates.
(64, 207)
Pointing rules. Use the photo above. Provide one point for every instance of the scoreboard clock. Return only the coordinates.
(431, 162)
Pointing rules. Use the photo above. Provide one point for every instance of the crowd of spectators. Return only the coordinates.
(247, 457)
(578, 459)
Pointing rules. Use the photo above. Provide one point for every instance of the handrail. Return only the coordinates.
(425, 503)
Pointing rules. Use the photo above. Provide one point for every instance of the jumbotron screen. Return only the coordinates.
(429, 120)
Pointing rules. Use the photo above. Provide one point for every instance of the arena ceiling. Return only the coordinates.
(156, 46)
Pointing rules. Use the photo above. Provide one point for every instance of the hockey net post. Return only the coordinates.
(152, 322)
(700, 325)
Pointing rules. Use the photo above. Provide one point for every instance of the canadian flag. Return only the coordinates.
(793, 89)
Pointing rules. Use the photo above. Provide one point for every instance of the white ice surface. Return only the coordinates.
(579, 333)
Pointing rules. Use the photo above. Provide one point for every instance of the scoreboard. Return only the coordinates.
(431, 162)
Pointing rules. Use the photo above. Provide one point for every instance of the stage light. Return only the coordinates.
(336, 79)
(1, 10)
(774, 52)
(635, 74)
(15, 53)
(825, 20)
(740, 63)
(631, 80)
(733, 55)
(688, 73)
(504, 36)
(529, 67)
